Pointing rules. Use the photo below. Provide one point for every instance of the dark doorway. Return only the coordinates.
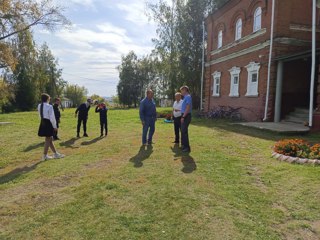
(296, 85)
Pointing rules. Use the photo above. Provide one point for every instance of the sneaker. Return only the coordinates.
(101, 135)
(78, 135)
(46, 157)
(58, 155)
(85, 135)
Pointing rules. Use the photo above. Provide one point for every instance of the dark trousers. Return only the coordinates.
(184, 131)
(55, 133)
(84, 121)
(104, 125)
(149, 125)
(177, 128)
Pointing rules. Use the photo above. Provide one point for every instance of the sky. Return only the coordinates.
(102, 31)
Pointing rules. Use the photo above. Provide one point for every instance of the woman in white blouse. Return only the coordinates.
(47, 127)
(177, 116)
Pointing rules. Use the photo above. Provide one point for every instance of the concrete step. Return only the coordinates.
(290, 118)
(302, 110)
(299, 115)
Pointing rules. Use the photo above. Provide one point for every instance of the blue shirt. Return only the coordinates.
(187, 100)
(147, 109)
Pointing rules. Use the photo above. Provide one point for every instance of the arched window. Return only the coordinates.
(220, 39)
(257, 19)
(238, 29)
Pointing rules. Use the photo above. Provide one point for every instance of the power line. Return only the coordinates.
(91, 79)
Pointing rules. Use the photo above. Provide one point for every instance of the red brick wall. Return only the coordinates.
(288, 12)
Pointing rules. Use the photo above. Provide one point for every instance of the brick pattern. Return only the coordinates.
(289, 15)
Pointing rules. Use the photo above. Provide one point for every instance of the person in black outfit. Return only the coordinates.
(82, 112)
(57, 114)
(102, 109)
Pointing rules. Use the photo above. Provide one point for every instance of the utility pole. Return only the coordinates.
(202, 72)
(315, 3)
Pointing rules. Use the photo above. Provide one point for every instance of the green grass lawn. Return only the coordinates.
(228, 187)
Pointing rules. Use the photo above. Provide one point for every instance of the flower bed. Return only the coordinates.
(297, 151)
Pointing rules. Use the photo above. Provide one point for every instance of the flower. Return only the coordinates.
(297, 148)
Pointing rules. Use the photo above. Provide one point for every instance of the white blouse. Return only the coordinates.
(177, 106)
(48, 113)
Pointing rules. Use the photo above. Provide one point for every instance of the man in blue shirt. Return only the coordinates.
(148, 117)
(186, 110)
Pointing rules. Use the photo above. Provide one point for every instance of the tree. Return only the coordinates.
(76, 94)
(136, 75)
(17, 16)
(24, 73)
(49, 76)
(97, 99)
(179, 43)
(6, 93)
(129, 86)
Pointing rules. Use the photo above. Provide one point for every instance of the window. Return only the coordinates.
(234, 84)
(238, 29)
(216, 83)
(220, 39)
(257, 19)
(253, 79)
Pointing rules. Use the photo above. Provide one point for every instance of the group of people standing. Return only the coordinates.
(181, 113)
(50, 119)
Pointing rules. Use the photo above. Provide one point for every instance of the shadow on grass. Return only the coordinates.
(143, 154)
(69, 143)
(189, 165)
(10, 176)
(92, 141)
(33, 146)
(226, 125)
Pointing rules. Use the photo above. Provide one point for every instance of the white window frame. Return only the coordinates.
(238, 33)
(220, 38)
(252, 87)
(257, 19)
(234, 88)
(216, 88)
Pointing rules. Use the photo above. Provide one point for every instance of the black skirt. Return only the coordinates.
(45, 128)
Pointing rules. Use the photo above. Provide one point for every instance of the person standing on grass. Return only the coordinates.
(48, 126)
(82, 112)
(57, 114)
(102, 109)
(186, 110)
(148, 117)
(177, 105)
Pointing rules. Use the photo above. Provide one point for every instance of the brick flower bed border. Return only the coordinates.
(285, 158)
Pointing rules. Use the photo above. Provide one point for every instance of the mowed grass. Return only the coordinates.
(228, 187)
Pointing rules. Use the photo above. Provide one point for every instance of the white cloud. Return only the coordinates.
(135, 12)
(91, 50)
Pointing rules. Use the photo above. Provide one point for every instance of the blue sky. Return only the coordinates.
(101, 32)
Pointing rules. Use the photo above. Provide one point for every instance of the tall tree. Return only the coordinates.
(129, 85)
(6, 93)
(24, 72)
(179, 43)
(17, 16)
(76, 94)
(136, 75)
(49, 76)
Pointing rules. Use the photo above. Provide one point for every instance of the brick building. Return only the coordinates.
(237, 64)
